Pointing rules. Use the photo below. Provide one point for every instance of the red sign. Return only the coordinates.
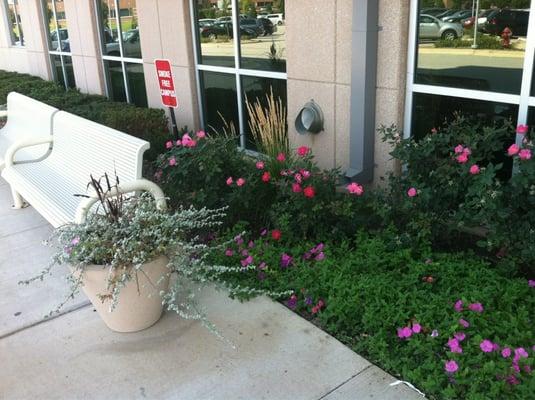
(165, 80)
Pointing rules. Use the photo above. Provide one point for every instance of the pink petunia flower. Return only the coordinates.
(531, 283)
(169, 144)
(474, 169)
(305, 173)
(286, 260)
(460, 336)
(458, 306)
(281, 157)
(416, 328)
(434, 333)
(355, 188)
(522, 129)
(451, 366)
(298, 178)
(521, 353)
(240, 182)
(172, 161)
(506, 352)
(476, 307)
(486, 346)
(412, 192)
(201, 134)
(320, 256)
(246, 261)
(524, 154)
(260, 165)
(230, 181)
(178, 143)
(406, 332)
(513, 150)
(229, 252)
(464, 323)
(454, 346)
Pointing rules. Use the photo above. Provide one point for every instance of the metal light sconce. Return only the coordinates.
(310, 119)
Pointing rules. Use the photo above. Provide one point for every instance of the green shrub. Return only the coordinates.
(483, 42)
(146, 123)
(363, 291)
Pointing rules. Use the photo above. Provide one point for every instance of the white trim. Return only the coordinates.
(237, 51)
(529, 53)
(411, 60)
(467, 93)
(125, 59)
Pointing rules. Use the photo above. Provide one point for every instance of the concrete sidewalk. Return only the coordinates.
(277, 354)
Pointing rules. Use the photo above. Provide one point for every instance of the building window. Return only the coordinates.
(16, 33)
(239, 56)
(59, 46)
(458, 62)
(121, 51)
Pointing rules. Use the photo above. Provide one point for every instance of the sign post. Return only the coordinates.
(167, 89)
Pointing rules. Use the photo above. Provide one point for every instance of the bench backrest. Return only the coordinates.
(26, 118)
(82, 147)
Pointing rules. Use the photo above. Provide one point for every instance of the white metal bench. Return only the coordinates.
(26, 119)
(79, 148)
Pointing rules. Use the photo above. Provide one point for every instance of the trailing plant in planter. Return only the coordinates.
(120, 257)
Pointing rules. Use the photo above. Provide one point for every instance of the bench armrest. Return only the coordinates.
(20, 144)
(3, 113)
(132, 186)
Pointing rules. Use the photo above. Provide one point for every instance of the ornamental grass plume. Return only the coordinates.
(268, 125)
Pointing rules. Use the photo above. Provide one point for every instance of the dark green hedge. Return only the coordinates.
(146, 123)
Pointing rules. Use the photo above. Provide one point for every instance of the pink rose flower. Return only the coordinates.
(296, 188)
(474, 169)
(309, 192)
(303, 151)
(513, 149)
(462, 158)
(201, 134)
(458, 149)
(169, 144)
(178, 143)
(298, 178)
(230, 181)
(486, 346)
(266, 177)
(260, 165)
(281, 157)
(355, 188)
(412, 192)
(506, 352)
(240, 182)
(476, 307)
(172, 161)
(451, 366)
(467, 151)
(522, 129)
(458, 306)
(524, 154)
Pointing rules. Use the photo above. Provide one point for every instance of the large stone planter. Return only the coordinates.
(140, 304)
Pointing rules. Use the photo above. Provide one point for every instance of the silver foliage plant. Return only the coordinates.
(138, 234)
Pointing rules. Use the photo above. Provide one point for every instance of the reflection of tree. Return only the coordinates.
(279, 5)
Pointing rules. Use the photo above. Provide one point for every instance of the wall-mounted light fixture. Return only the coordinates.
(310, 119)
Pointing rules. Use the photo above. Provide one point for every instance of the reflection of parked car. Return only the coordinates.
(446, 13)
(276, 19)
(433, 28)
(435, 12)
(459, 16)
(254, 25)
(481, 19)
(225, 29)
(515, 20)
(131, 44)
(206, 22)
(267, 25)
(63, 38)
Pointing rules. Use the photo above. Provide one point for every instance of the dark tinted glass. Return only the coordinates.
(114, 75)
(258, 90)
(220, 102)
(69, 71)
(136, 84)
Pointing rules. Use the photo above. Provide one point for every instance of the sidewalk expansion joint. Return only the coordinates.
(45, 320)
(344, 382)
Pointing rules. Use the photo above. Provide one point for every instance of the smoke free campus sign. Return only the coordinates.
(166, 83)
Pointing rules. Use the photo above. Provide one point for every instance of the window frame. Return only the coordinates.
(52, 52)
(523, 100)
(12, 42)
(121, 58)
(237, 71)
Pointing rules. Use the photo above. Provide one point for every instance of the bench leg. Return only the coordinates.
(18, 202)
